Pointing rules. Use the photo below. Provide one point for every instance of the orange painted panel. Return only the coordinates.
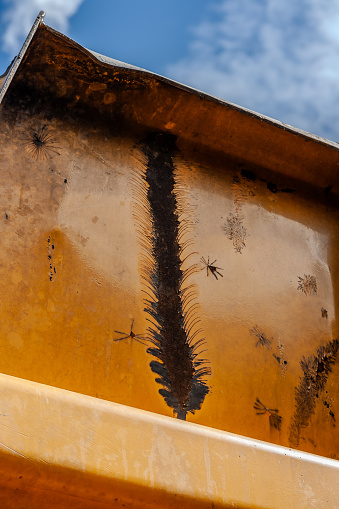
(156, 239)
(117, 456)
(75, 226)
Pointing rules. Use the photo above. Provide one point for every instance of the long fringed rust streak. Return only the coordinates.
(170, 305)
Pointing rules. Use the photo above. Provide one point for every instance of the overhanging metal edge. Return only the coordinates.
(21, 54)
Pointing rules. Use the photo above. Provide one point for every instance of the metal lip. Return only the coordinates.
(203, 95)
(18, 59)
(111, 62)
(100, 443)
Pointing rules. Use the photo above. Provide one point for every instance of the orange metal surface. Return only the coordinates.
(116, 456)
(86, 152)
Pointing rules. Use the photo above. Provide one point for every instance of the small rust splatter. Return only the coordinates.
(235, 231)
(50, 256)
(211, 268)
(41, 144)
(280, 358)
(273, 413)
(241, 191)
(126, 335)
(324, 313)
(262, 339)
(307, 284)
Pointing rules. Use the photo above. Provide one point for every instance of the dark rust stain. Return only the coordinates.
(248, 174)
(272, 187)
(170, 304)
(316, 369)
(50, 256)
(324, 313)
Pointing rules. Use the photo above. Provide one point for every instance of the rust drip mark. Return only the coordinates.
(235, 231)
(41, 144)
(262, 339)
(170, 303)
(328, 404)
(316, 369)
(274, 418)
(280, 357)
(307, 284)
(324, 313)
(241, 191)
(273, 188)
(251, 176)
(234, 228)
(211, 268)
(50, 256)
(141, 338)
(248, 174)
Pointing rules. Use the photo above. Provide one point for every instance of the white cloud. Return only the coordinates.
(20, 15)
(277, 57)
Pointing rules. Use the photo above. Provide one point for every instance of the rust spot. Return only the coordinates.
(241, 191)
(235, 231)
(41, 144)
(50, 256)
(307, 284)
(272, 187)
(273, 413)
(324, 313)
(126, 335)
(211, 268)
(248, 174)
(262, 339)
(280, 357)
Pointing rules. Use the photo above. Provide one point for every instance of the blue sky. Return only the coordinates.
(277, 57)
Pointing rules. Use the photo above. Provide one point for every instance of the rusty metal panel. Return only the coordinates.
(167, 251)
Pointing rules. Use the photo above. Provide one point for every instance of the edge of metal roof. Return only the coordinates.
(287, 127)
(16, 62)
(115, 63)
(122, 65)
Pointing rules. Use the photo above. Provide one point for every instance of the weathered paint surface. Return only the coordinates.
(260, 229)
(117, 456)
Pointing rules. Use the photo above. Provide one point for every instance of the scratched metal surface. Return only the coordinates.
(73, 236)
